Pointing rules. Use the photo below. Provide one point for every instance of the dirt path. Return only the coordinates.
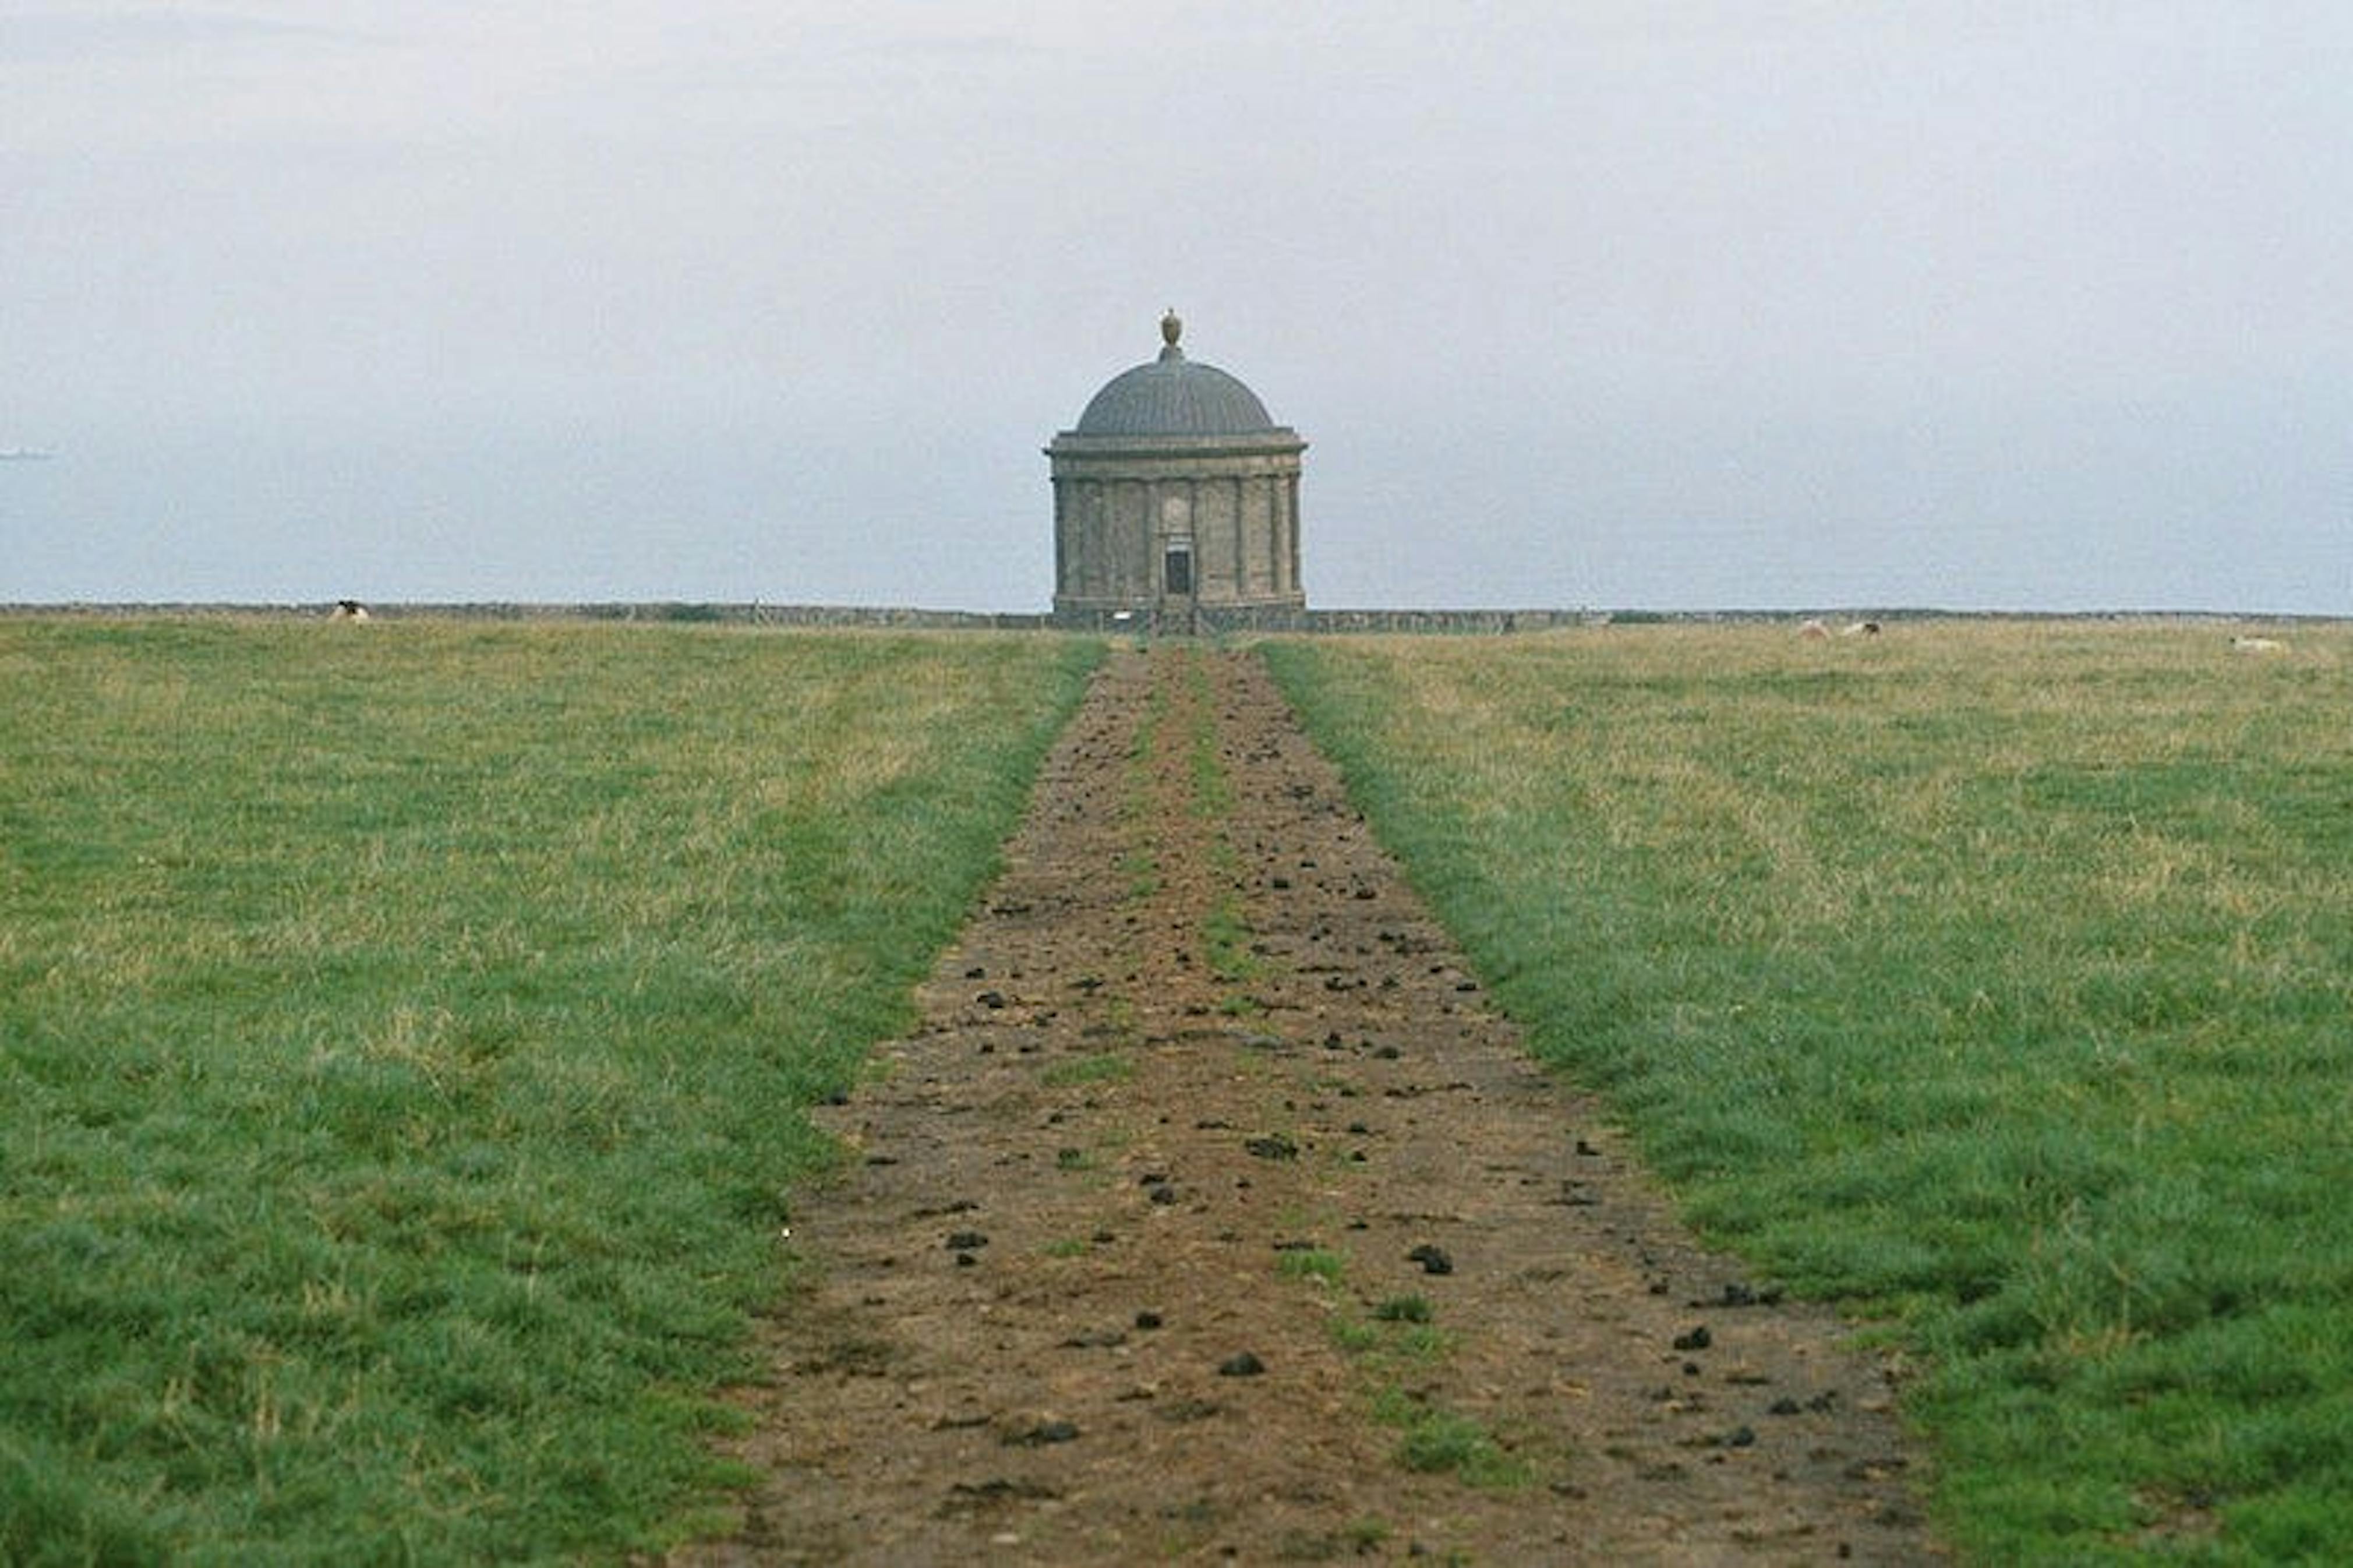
(1210, 1214)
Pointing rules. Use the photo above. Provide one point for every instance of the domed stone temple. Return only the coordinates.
(1176, 502)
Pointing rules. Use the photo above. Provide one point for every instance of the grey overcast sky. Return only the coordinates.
(2032, 304)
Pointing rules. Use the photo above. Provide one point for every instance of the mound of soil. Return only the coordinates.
(1210, 1213)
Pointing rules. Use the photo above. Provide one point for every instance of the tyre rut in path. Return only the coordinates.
(1209, 1214)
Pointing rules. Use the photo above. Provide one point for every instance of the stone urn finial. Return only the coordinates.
(1171, 329)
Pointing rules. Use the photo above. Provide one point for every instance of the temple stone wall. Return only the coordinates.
(1175, 494)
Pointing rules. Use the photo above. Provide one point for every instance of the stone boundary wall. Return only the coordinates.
(653, 613)
(1204, 622)
(1260, 620)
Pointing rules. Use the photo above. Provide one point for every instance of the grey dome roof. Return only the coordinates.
(1173, 396)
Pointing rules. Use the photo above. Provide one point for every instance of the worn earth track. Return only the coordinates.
(1209, 1214)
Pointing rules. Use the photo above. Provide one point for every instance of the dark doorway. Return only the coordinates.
(1177, 570)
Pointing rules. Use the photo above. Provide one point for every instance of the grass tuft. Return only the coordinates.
(1097, 1067)
(1317, 1264)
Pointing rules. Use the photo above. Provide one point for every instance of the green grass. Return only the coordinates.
(1213, 795)
(1096, 1067)
(1441, 1441)
(1318, 1264)
(1996, 980)
(1227, 938)
(404, 1033)
(1398, 1340)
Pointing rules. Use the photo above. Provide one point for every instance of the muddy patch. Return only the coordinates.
(1210, 1213)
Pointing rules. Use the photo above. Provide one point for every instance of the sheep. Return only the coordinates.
(1813, 630)
(1860, 628)
(348, 610)
(2257, 645)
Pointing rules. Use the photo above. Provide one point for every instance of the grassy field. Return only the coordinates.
(1994, 980)
(404, 1031)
